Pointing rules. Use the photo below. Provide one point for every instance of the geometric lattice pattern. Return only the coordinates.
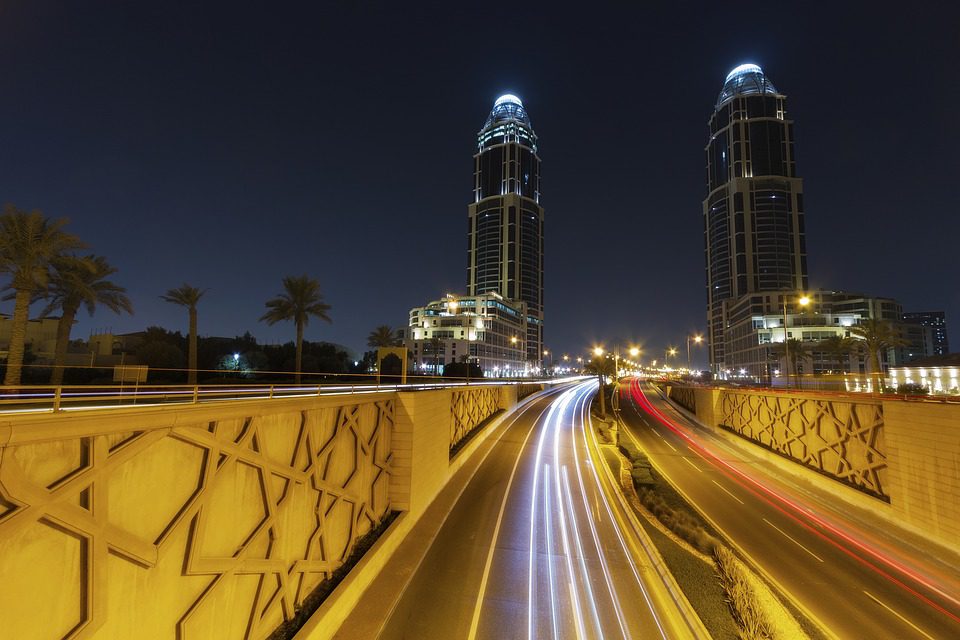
(844, 440)
(470, 407)
(684, 396)
(525, 389)
(211, 530)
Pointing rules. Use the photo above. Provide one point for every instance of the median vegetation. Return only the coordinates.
(755, 610)
(745, 603)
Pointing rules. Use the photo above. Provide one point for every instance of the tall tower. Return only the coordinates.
(505, 226)
(754, 238)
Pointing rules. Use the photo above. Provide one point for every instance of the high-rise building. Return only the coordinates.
(505, 226)
(753, 213)
(936, 321)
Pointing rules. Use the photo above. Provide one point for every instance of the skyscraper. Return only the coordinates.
(754, 238)
(505, 225)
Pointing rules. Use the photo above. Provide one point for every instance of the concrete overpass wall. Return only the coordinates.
(211, 520)
(896, 457)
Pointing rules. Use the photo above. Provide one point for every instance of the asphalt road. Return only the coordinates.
(536, 546)
(857, 581)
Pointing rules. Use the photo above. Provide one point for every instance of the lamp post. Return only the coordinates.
(698, 339)
(802, 301)
(545, 354)
(669, 351)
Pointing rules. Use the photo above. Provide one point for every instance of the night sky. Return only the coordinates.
(230, 145)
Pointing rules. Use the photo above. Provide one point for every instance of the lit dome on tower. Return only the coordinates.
(745, 79)
(508, 107)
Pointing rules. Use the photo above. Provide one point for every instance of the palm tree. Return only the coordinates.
(77, 282)
(798, 349)
(603, 367)
(29, 242)
(838, 350)
(382, 336)
(188, 296)
(300, 299)
(877, 336)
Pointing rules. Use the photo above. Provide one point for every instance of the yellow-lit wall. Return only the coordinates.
(907, 452)
(206, 521)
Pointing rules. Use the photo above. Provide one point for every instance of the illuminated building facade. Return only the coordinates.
(754, 239)
(486, 329)
(933, 329)
(755, 323)
(505, 219)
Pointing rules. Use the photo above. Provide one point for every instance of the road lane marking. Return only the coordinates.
(722, 488)
(915, 627)
(687, 460)
(670, 445)
(793, 540)
(548, 529)
(475, 622)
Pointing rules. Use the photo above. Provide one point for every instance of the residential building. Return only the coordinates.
(933, 335)
(757, 321)
(40, 339)
(505, 219)
(485, 329)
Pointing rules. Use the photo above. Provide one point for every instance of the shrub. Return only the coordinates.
(684, 525)
(743, 601)
(912, 389)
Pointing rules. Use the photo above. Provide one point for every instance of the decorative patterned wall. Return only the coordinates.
(213, 529)
(525, 389)
(844, 440)
(684, 396)
(469, 408)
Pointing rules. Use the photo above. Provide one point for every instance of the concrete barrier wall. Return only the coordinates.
(906, 453)
(207, 521)
(923, 447)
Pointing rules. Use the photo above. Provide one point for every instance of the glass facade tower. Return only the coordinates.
(754, 239)
(505, 219)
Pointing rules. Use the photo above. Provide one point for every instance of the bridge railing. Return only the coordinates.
(40, 398)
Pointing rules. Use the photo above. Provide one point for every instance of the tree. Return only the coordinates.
(382, 336)
(188, 296)
(77, 282)
(29, 242)
(877, 336)
(602, 366)
(300, 299)
(798, 349)
(838, 350)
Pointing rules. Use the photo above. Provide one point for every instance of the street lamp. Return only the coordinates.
(670, 351)
(802, 301)
(697, 339)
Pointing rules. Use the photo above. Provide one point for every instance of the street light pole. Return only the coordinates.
(698, 339)
(802, 301)
(786, 340)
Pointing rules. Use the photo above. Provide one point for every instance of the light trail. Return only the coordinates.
(567, 552)
(584, 425)
(475, 622)
(761, 492)
(607, 575)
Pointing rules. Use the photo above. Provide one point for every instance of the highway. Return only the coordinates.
(540, 546)
(856, 579)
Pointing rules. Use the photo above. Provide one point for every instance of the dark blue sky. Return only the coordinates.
(229, 145)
